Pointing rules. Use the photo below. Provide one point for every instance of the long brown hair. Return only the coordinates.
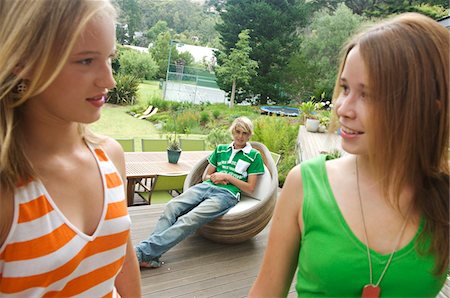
(407, 59)
(36, 38)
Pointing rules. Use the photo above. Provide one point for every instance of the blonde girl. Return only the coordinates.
(63, 216)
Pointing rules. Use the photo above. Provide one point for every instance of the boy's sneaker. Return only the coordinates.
(155, 263)
(151, 264)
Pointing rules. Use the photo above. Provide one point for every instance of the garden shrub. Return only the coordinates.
(185, 122)
(216, 114)
(204, 117)
(287, 162)
(125, 91)
(218, 136)
(138, 64)
(161, 104)
(277, 133)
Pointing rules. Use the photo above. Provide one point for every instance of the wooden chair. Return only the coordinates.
(252, 213)
(154, 145)
(192, 144)
(127, 144)
(162, 188)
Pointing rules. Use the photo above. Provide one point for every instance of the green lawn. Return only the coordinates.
(116, 122)
(147, 90)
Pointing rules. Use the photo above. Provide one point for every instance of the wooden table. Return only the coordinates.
(141, 165)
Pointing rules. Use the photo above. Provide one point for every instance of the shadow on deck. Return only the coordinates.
(198, 267)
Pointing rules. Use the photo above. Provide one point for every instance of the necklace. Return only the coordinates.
(372, 290)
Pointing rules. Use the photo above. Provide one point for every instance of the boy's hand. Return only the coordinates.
(219, 178)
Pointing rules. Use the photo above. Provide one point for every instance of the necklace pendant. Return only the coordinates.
(371, 291)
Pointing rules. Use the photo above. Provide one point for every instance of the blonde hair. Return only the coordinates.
(407, 59)
(35, 41)
(244, 123)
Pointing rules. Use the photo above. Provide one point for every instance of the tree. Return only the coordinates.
(153, 32)
(237, 67)
(382, 8)
(272, 24)
(160, 52)
(130, 18)
(140, 65)
(185, 17)
(313, 67)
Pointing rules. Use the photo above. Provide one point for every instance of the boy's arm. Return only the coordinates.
(248, 186)
(210, 169)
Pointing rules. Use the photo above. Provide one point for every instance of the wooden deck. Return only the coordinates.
(311, 144)
(198, 267)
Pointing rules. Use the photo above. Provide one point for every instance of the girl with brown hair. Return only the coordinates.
(376, 221)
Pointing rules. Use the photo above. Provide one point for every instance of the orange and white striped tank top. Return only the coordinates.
(44, 255)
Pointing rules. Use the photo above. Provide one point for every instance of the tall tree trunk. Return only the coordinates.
(233, 92)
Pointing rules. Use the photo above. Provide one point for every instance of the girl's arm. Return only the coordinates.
(280, 259)
(128, 281)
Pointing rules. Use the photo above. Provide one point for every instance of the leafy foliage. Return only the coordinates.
(277, 133)
(173, 142)
(308, 109)
(383, 8)
(433, 11)
(129, 20)
(204, 117)
(287, 162)
(237, 67)
(140, 65)
(271, 25)
(186, 20)
(218, 136)
(313, 68)
(125, 90)
(186, 122)
(160, 52)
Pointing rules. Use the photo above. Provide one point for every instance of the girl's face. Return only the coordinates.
(352, 104)
(79, 91)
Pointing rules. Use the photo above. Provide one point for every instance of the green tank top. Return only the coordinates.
(333, 261)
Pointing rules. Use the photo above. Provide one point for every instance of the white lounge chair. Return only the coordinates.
(254, 210)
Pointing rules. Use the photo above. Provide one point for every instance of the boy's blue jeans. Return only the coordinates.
(182, 216)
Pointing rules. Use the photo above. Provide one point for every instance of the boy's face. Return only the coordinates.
(240, 138)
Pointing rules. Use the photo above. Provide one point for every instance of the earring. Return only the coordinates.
(22, 87)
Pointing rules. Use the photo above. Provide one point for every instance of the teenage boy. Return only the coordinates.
(232, 168)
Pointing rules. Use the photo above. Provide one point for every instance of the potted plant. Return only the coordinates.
(324, 121)
(173, 149)
(309, 111)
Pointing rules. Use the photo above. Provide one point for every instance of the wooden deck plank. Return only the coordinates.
(198, 267)
(310, 144)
